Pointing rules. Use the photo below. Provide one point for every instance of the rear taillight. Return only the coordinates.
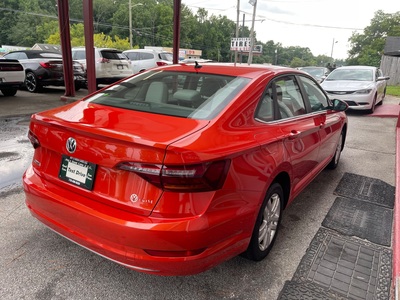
(34, 140)
(161, 63)
(103, 60)
(47, 65)
(11, 67)
(202, 177)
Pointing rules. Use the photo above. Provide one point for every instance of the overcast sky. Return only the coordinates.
(316, 24)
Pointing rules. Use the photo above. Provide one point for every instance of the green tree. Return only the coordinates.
(99, 39)
(367, 47)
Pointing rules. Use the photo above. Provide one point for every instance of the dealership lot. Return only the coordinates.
(38, 264)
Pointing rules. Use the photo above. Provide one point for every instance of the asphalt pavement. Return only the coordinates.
(305, 263)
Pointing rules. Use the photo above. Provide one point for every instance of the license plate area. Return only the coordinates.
(77, 172)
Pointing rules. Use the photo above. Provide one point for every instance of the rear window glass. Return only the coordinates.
(44, 55)
(180, 94)
(113, 55)
(166, 56)
(50, 55)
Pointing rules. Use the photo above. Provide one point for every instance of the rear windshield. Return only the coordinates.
(44, 55)
(180, 94)
(166, 56)
(113, 55)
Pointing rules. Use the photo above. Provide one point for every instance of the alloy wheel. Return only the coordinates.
(270, 221)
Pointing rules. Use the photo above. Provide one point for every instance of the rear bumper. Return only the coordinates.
(10, 85)
(126, 238)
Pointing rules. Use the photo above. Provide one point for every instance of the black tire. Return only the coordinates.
(9, 92)
(267, 224)
(31, 83)
(338, 150)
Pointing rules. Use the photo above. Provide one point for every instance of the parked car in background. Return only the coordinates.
(143, 59)
(319, 73)
(182, 167)
(44, 68)
(110, 64)
(12, 76)
(361, 87)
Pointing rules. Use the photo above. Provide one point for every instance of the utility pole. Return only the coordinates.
(130, 23)
(237, 27)
(254, 3)
(130, 20)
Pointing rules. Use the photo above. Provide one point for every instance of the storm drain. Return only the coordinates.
(337, 267)
(365, 188)
(361, 219)
(348, 258)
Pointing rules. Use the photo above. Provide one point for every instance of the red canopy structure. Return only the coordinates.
(63, 13)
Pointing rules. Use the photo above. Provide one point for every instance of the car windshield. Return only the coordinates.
(316, 72)
(351, 74)
(180, 94)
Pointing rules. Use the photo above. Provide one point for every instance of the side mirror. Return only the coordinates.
(383, 78)
(339, 105)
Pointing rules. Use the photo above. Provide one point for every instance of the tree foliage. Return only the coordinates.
(27, 22)
(367, 47)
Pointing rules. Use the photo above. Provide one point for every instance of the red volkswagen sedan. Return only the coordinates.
(177, 169)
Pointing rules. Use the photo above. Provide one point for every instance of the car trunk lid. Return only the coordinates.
(104, 138)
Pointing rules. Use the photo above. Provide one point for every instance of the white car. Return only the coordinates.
(319, 73)
(361, 87)
(111, 64)
(12, 76)
(143, 59)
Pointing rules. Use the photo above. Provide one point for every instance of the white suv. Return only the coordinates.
(111, 64)
(143, 59)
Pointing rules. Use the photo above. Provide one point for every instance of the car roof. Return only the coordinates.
(100, 49)
(35, 51)
(253, 70)
(358, 67)
(311, 67)
(146, 50)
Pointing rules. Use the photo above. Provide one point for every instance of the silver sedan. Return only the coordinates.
(361, 87)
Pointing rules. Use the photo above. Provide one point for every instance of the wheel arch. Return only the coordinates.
(283, 179)
(344, 131)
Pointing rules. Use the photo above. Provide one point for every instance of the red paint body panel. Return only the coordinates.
(129, 215)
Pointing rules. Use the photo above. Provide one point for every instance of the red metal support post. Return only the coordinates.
(63, 14)
(89, 45)
(177, 25)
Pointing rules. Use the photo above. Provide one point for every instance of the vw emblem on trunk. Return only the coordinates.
(71, 145)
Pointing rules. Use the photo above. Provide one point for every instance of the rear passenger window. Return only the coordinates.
(144, 56)
(282, 99)
(133, 55)
(318, 100)
(79, 54)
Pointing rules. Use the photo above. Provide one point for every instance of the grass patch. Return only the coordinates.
(393, 90)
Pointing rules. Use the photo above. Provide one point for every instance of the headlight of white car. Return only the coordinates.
(363, 92)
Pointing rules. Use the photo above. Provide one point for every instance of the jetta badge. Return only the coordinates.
(71, 145)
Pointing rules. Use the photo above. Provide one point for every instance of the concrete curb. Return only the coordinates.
(396, 218)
